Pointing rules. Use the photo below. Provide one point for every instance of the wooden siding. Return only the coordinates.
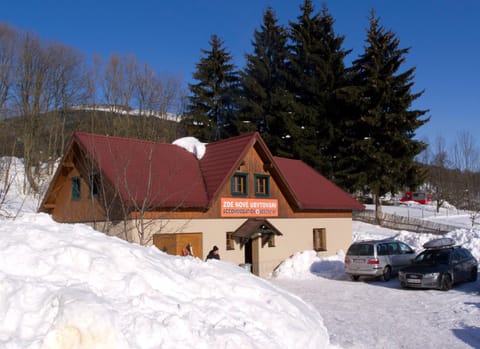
(66, 209)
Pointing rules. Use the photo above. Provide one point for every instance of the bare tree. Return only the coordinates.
(31, 99)
(465, 153)
(438, 172)
(67, 86)
(8, 38)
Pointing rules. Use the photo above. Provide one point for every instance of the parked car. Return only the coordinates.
(377, 258)
(439, 266)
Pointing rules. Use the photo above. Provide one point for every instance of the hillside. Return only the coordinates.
(51, 131)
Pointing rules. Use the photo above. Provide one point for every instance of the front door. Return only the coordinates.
(248, 251)
(251, 250)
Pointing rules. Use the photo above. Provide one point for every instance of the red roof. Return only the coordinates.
(312, 190)
(162, 174)
(178, 179)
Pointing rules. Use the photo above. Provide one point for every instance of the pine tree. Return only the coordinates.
(266, 103)
(381, 148)
(317, 78)
(213, 100)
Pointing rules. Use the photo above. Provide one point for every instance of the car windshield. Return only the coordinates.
(433, 257)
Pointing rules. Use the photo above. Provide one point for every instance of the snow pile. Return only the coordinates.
(192, 145)
(307, 265)
(68, 286)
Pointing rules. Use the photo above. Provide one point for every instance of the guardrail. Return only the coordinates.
(397, 222)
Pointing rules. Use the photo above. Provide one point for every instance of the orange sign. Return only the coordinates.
(236, 207)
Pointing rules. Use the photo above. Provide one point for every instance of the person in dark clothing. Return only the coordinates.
(213, 254)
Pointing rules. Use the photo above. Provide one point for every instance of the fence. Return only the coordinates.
(397, 222)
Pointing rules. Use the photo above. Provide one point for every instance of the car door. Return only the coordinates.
(407, 254)
(401, 254)
(460, 265)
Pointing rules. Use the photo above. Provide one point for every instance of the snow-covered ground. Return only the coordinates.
(376, 314)
(67, 286)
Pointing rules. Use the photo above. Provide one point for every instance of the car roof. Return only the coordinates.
(375, 241)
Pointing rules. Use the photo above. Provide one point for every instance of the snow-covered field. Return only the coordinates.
(67, 286)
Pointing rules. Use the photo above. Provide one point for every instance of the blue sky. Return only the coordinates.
(444, 37)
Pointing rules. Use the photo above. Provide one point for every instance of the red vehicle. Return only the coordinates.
(417, 196)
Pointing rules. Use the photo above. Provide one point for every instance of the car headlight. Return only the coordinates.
(432, 275)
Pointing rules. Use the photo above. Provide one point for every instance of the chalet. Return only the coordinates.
(257, 208)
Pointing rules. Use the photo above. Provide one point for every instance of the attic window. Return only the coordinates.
(262, 185)
(76, 188)
(239, 184)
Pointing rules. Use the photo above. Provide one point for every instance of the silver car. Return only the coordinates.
(377, 258)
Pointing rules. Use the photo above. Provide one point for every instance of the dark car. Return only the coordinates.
(439, 266)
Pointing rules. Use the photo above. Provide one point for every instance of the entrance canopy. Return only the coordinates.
(254, 226)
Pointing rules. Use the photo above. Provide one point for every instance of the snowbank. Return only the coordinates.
(68, 286)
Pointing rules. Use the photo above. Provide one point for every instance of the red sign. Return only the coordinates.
(236, 207)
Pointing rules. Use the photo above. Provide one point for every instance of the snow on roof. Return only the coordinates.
(193, 145)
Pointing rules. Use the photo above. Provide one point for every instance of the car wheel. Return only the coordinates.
(474, 274)
(446, 282)
(354, 277)
(387, 274)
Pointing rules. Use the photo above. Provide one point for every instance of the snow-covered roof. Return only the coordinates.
(193, 145)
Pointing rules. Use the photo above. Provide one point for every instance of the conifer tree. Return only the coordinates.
(380, 144)
(212, 103)
(266, 104)
(317, 78)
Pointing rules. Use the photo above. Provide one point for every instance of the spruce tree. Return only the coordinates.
(380, 140)
(266, 104)
(317, 78)
(213, 99)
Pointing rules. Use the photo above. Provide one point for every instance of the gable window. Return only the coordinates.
(76, 188)
(94, 184)
(239, 184)
(230, 242)
(262, 185)
(319, 239)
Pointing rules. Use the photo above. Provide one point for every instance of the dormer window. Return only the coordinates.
(239, 184)
(262, 185)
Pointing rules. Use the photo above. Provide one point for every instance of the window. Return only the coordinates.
(230, 242)
(319, 239)
(239, 184)
(262, 185)
(76, 188)
(94, 184)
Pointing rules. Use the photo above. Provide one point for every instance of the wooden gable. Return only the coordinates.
(253, 164)
(66, 203)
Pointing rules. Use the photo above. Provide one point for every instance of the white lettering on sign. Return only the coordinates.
(237, 207)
